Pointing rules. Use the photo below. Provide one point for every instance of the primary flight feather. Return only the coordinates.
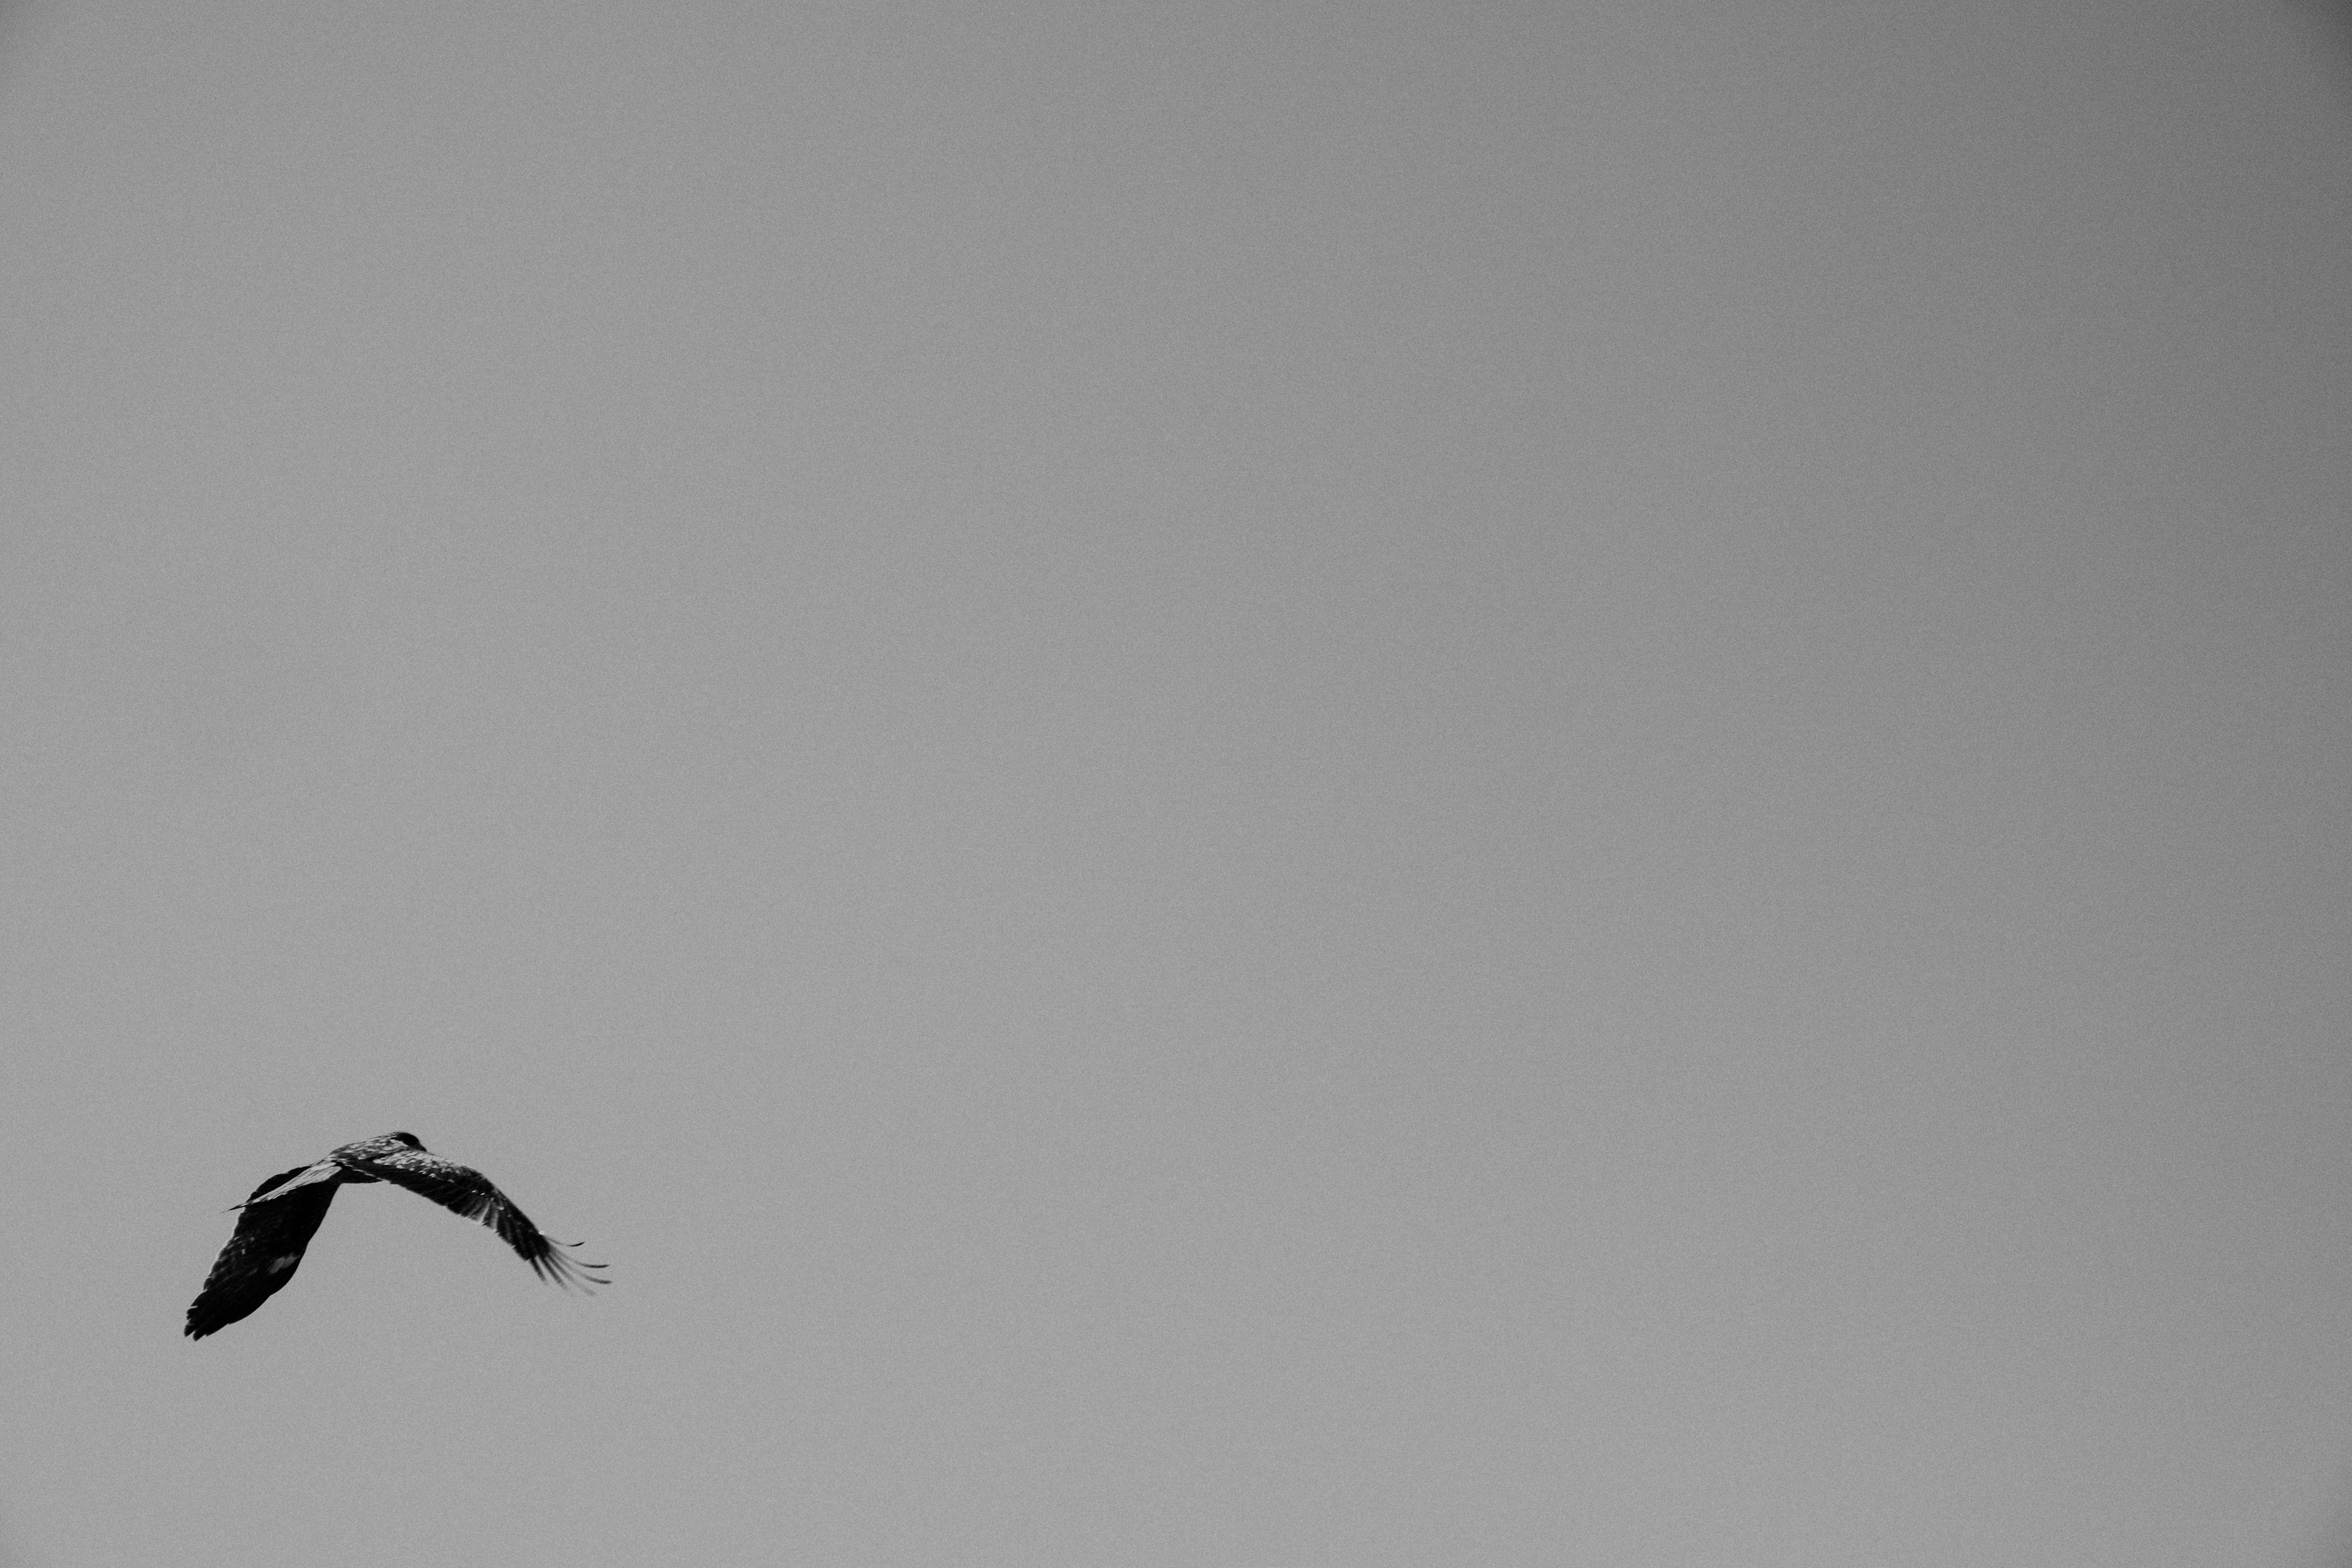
(278, 1220)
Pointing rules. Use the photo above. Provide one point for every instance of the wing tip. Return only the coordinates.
(561, 1268)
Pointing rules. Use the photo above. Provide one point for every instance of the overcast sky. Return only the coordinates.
(1257, 785)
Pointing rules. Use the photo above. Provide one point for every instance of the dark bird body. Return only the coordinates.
(283, 1213)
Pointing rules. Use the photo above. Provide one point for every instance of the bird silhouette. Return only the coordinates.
(278, 1220)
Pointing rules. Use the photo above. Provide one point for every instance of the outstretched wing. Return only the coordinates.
(466, 1191)
(262, 1257)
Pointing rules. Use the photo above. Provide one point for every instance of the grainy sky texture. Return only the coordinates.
(1252, 786)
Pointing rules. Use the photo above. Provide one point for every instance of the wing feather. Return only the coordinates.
(462, 1190)
(262, 1256)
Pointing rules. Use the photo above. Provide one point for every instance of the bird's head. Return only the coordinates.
(408, 1138)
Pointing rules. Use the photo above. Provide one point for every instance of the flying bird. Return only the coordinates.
(284, 1212)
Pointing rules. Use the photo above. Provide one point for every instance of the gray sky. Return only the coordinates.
(1269, 786)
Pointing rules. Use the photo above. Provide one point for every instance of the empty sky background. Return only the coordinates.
(1250, 784)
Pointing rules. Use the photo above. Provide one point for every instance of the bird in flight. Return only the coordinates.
(284, 1213)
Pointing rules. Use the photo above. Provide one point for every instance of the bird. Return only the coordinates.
(278, 1220)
